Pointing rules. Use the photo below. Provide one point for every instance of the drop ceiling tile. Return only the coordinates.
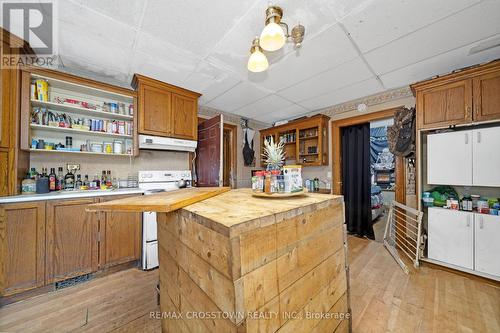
(191, 24)
(328, 50)
(338, 77)
(358, 90)
(386, 20)
(234, 48)
(265, 105)
(209, 81)
(85, 22)
(128, 12)
(441, 64)
(240, 95)
(92, 49)
(344, 8)
(473, 24)
(290, 112)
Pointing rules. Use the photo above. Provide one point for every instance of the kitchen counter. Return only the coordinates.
(68, 195)
(253, 264)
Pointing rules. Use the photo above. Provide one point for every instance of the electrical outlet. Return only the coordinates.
(329, 175)
(73, 167)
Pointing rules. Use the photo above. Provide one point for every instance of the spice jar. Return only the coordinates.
(281, 184)
(267, 182)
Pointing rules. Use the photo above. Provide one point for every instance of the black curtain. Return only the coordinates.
(356, 179)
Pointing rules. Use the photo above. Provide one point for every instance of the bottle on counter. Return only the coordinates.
(69, 181)
(96, 182)
(33, 173)
(28, 185)
(85, 183)
(267, 182)
(52, 180)
(79, 183)
(60, 179)
(103, 180)
(42, 182)
(109, 182)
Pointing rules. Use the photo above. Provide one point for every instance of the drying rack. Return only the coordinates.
(403, 234)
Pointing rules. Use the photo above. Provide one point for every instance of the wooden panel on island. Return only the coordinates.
(306, 140)
(257, 265)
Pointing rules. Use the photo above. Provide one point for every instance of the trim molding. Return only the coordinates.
(380, 98)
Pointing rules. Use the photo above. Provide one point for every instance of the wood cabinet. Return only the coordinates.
(487, 96)
(119, 236)
(487, 246)
(22, 253)
(306, 140)
(451, 237)
(166, 110)
(72, 239)
(468, 96)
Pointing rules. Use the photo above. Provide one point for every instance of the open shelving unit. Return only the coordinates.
(306, 140)
(63, 91)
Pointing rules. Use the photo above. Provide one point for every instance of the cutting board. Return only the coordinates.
(161, 202)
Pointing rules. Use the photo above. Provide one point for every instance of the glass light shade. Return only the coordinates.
(257, 62)
(272, 37)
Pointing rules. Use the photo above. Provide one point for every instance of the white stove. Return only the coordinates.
(154, 182)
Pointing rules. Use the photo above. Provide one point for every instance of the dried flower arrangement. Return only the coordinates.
(274, 154)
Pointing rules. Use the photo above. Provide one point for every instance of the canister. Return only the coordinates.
(118, 147)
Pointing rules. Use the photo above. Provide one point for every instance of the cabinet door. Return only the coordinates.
(154, 111)
(5, 101)
(184, 122)
(71, 239)
(22, 230)
(487, 244)
(446, 105)
(451, 236)
(487, 96)
(120, 236)
(4, 172)
(449, 158)
(486, 156)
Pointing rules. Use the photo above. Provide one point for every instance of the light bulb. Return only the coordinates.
(272, 37)
(257, 62)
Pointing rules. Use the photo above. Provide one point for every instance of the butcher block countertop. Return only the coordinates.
(163, 202)
(238, 211)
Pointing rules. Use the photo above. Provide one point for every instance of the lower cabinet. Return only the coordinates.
(22, 253)
(120, 237)
(487, 240)
(464, 239)
(43, 242)
(72, 247)
(451, 237)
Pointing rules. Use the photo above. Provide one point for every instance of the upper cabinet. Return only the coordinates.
(469, 96)
(306, 140)
(166, 110)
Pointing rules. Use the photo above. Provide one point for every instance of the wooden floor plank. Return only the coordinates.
(383, 299)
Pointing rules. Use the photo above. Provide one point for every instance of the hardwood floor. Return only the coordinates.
(383, 299)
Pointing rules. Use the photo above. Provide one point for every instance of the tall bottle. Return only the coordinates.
(86, 184)
(79, 183)
(109, 182)
(52, 179)
(103, 180)
(69, 181)
(97, 182)
(60, 179)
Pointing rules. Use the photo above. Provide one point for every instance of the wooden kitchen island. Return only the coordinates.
(237, 263)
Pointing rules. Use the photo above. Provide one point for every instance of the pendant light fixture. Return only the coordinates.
(258, 60)
(273, 37)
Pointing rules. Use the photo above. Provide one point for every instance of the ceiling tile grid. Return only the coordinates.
(352, 48)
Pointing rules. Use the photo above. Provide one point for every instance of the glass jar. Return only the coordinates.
(267, 182)
(259, 181)
(274, 181)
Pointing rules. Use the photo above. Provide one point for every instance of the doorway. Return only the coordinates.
(399, 191)
(229, 155)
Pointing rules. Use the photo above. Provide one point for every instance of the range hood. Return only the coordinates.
(161, 143)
